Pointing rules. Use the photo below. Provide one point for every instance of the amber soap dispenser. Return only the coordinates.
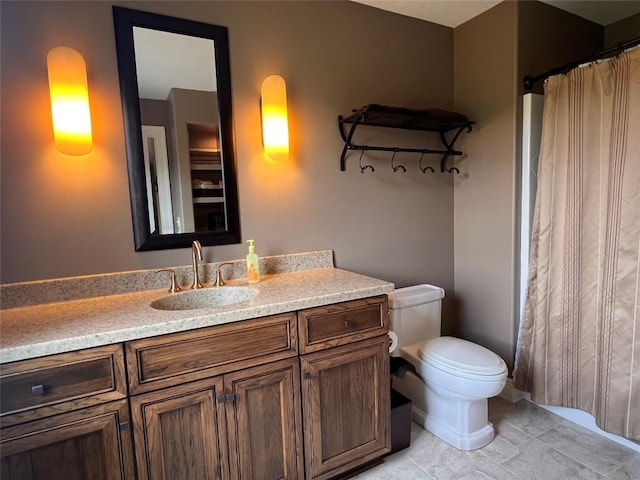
(253, 264)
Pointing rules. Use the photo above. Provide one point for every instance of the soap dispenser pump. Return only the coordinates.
(253, 264)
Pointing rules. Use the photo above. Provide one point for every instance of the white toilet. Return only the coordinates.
(455, 377)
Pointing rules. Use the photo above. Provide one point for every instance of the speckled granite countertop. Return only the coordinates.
(39, 330)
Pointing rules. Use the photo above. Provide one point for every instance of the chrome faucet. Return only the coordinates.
(196, 254)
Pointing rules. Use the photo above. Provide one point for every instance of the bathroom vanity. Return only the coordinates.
(292, 383)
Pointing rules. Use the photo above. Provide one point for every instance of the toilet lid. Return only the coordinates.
(457, 355)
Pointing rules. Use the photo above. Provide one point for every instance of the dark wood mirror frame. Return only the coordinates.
(124, 21)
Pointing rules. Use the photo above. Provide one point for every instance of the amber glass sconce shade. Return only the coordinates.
(69, 101)
(275, 124)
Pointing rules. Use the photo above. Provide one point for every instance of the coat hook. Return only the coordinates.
(424, 169)
(396, 167)
(365, 167)
(443, 165)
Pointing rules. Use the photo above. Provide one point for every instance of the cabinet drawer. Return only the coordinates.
(187, 356)
(342, 323)
(43, 386)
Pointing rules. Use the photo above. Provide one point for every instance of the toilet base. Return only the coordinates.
(461, 422)
(462, 441)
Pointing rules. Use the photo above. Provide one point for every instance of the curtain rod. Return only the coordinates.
(530, 81)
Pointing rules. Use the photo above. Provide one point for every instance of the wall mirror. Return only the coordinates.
(175, 84)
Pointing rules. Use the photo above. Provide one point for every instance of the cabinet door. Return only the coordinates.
(346, 407)
(92, 443)
(180, 433)
(264, 422)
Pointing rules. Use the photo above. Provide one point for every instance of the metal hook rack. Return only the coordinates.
(431, 120)
(425, 169)
(364, 168)
(395, 167)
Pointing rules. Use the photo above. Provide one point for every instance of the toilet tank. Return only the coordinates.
(415, 314)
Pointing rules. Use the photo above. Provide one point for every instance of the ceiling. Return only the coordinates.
(452, 13)
(161, 54)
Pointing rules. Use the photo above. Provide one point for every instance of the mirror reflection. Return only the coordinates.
(175, 84)
(181, 141)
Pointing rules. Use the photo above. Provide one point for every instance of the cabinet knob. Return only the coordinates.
(347, 324)
(37, 390)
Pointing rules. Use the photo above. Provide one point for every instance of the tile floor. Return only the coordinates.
(530, 444)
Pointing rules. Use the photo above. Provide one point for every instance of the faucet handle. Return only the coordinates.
(174, 282)
(219, 281)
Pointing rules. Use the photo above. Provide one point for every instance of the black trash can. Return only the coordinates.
(400, 421)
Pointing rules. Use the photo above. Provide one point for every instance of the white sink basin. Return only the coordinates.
(205, 298)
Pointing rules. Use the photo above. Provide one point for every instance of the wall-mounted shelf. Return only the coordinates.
(429, 120)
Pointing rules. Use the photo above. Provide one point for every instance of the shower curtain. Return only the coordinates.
(579, 339)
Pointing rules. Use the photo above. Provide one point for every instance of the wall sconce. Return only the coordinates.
(69, 101)
(275, 124)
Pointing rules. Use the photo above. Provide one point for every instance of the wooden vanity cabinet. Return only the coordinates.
(290, 396)
(242, 422)
(345, 386)
(66, 416)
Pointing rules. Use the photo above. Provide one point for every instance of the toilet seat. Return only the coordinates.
(462, 358)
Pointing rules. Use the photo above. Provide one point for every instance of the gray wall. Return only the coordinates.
(65, 216)
(492, 53)
(622, 31)
(154, 112)
(485, 72)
